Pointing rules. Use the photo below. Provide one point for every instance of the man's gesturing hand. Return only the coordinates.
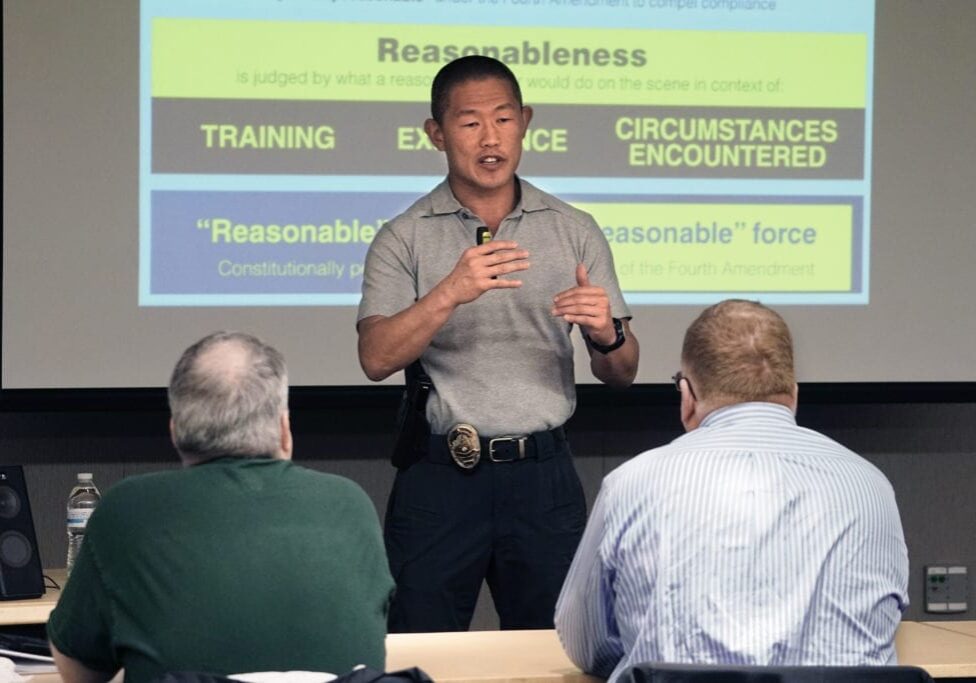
(588, 306)
(478, 269)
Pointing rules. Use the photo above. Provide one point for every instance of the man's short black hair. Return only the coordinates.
(462, 70)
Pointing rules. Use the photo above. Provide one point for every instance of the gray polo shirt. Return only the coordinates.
(501, 363)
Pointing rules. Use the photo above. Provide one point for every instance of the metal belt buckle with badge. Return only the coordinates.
(462, 441)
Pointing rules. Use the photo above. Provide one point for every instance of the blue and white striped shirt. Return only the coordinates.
(748, 540)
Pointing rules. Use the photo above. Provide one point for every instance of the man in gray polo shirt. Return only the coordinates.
(482, 280)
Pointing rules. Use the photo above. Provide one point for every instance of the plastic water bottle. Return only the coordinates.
(81, 503)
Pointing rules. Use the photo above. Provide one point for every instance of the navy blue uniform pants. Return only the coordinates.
(515, 524)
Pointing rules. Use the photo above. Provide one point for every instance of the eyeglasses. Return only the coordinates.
(677, 377)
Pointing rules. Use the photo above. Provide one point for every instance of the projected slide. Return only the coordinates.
(723, 145)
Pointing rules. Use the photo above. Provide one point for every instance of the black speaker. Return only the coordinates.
(20, 562)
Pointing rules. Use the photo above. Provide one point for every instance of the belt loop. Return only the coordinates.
(545, 444)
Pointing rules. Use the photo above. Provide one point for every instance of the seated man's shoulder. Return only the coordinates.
(839, 457)
(650, 464)
(803, 447)
(139, 491)
(333, 485)
(138, 487)
(132, 501)
(328, 480)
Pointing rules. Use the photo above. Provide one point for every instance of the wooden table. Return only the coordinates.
(485, 657)
(537, 656)
(942, 652)
(966, 627)
(35, 610)
(946, 649)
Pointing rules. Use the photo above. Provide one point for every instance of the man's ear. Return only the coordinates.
(172, 436)
(795, 398)
(286, 440)
(688, 405)
(526, 118)
(434, 132)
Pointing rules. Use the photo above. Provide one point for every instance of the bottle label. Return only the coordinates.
(78, 519)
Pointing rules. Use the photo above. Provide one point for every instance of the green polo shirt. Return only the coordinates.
(234, 565)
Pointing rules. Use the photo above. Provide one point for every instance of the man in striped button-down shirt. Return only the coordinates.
(748, 540)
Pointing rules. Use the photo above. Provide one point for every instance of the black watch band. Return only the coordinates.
(618, 327)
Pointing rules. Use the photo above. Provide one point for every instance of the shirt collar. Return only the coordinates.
(443, 201)
(730, 415)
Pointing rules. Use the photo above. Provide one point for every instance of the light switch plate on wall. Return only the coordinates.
(946, 588)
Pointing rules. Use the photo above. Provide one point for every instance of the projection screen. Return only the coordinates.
(176, 167)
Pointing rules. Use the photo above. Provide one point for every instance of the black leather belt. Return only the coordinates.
(539, 445)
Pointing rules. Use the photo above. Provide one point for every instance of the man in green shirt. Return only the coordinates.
(241, 560)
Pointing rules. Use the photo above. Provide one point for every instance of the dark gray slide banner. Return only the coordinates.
(329, 138)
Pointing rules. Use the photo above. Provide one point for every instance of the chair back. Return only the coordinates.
(717, 673)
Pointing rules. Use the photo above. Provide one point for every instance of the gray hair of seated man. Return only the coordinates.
(227, 394)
